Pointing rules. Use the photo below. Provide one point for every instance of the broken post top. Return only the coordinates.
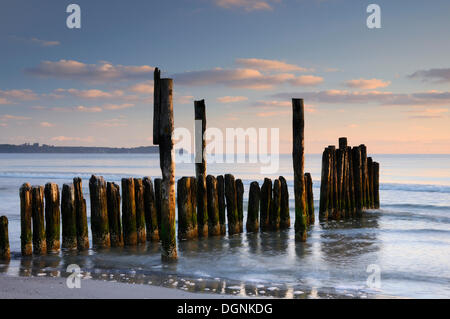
(342, 143)
(157, 100)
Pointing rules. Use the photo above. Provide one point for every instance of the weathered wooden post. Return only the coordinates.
(285, 218)
(335, 196)
(266, 199)
(99, 212)
(187, 214)
(342, 176)
(298, 157)
(115, 225)
(5, 254)
(370, 179)
(151, 218)
(232, 211)
(26, 235)
(156, 105)
(240, 203)
(376, 184)
(68, 217)
(310, 198)
(365, 176)
(221, 201)
(81, 215)
(166, 155)
(39, 241)
(325, 185)
(340, 181)
(52, 217)
(158, 201)
(351, 182)
(130, 237)
(252, 224)
(213, 206)
(200, 167)
(140, 210)
(357, 177)
(274, 213)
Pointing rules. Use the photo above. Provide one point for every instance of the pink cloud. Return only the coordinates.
(247, 5)
(231, 99)
(270, 65)
(367, 84)
(46, 124)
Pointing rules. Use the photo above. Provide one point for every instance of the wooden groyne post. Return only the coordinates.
(285, 218)
(254, 196)
(151, 218)
(376, 184)
(52, 217)
(274, 212)
(187, 213)
(68, 217)
(298, 157)
(158, 202)
(265, 204)
(81, 215)
(5, 254)
(232, 211)
(240, 203)
(309, 198)
(221, 202)
(39, 240)
(163, 121)
(26, 235)
(140, 210)
(200, 167)
(99, 212)
(130, 237)
(213, 206)
(115, 224)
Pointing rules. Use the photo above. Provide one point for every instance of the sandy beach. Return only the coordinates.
(56, 288)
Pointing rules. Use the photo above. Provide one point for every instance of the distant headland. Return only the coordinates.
(44, 148)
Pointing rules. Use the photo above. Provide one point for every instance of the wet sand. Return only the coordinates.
(56, 288)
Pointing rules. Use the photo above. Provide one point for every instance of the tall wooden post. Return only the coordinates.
(156, 105)
(252, 224)
(232, 211)
(39, 241)
(221, 201)
(200, 166)
(151, 218)
(187, 214)
(115, 225)
(130, 237)
(5, 254)
(140, 210)
(26, 235)
(99, 212)
(81, 215)
(167, 163)
(68, 217)
(285, 218)
(52, 217)
(264, 209)
(298, 157)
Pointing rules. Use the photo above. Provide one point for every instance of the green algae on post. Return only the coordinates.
(68, 218)
(39, 241)
(213, 206)
(4, 239)
(99, 213)
(232, 212)
(187, 214)
(52, 217)
(129, 212)
(26, 236)
(151, 218)
(140, 211)
(81, 215)
(115, 225)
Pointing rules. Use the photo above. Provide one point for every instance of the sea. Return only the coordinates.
(401, 250)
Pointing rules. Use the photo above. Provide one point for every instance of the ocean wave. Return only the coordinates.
(427, 188)
(418, 206)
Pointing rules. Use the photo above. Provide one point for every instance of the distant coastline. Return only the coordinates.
(37, 148)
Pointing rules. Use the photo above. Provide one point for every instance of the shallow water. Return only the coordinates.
(408, 239)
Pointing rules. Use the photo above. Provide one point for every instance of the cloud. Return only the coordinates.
(429, 113)
(367, 84)
(270, 65)
(377, 97)
(436, 75)
(92, 94)
(92, 109)
(116, 122)
(14, 117)
(247, 5)
(231, 99)
(242, 78)
(184, 99)
(103, 71)
(46, 124)
(117, 106)
(11, 96)
(275, 107)
(45, 43)
(143, 87)
(63, 138)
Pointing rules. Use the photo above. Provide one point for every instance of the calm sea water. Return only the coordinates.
(408, 239)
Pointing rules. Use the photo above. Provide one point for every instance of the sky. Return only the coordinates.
(388, 88)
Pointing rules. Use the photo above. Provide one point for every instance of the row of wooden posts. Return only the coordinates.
(349, 181)
(42, 212)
